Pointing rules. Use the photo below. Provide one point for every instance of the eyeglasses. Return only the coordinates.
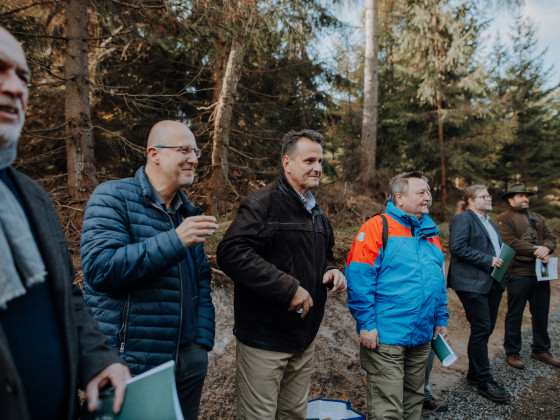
(186, 150)
(485, 197)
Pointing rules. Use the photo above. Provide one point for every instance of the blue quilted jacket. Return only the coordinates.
(131, 258)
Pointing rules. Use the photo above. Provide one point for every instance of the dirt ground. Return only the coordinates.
(336, 373)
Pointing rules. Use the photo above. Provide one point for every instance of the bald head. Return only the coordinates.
(172, 158)
(167, 132)
(14, 77)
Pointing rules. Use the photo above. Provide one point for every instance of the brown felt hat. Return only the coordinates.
(516, 189)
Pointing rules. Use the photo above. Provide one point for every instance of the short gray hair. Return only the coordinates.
(399, 183)
(290, 139)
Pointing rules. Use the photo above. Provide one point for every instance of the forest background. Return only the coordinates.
(422, 91)
(241, 73)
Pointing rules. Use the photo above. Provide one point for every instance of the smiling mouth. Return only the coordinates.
(11, 111)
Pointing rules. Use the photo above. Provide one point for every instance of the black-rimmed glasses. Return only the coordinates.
(186, 150)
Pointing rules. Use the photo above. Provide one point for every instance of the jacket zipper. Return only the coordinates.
(124, 326)
(181, 300)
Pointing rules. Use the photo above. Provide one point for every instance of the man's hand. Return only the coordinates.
(541, 252)
(301, 300)
(117, 374)
(194, 230)
(440, 329)
(335, 277)
(497, 262)
(369, 339)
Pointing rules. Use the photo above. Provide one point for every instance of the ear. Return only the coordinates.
(153, 156)
(286, 163)
(398, 200)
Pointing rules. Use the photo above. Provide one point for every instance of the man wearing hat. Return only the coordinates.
(527, 233)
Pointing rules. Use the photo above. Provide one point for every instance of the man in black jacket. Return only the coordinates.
(49, 342)
(278, 251)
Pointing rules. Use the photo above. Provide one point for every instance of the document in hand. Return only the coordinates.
(506, 253)
(443, 351)
(151, 395)
(548, 271)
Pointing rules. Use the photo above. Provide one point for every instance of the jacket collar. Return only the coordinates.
(187, 208)
(425, 227)
(286, 188)
(476, 218)
(518, 210)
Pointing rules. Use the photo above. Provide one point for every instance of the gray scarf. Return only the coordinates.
(17, 245)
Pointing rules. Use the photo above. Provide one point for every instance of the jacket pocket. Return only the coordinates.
(384, 308)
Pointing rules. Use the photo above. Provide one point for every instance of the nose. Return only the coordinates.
(192, 159)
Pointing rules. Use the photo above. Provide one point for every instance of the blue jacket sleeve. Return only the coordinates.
(361, 275)
(205, 312)
(110, 261)
(442, 314)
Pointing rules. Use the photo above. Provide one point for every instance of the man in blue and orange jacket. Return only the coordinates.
(397, 295)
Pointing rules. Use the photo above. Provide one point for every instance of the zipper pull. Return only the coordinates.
(122, 347)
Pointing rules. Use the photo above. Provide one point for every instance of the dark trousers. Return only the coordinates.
(481, 311)
(192, 366)
(520, 290)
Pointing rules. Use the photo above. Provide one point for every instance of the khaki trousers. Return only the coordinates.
(395, 380)
(272, 385)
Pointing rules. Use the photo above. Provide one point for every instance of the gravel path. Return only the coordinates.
(535, 389)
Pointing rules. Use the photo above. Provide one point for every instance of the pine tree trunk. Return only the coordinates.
(442, 157)
(439, 102)
(80, 160)
(222, 122)
(371, 86)
(218, 73)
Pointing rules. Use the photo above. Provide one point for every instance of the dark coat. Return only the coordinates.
(273, 246)
(87, 350)
(522, 230)
(131, 258)
(471, 254)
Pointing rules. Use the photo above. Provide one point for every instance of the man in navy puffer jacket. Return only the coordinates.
(146, 276)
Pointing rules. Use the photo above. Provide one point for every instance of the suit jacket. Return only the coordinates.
(88, 352)
(471, 254)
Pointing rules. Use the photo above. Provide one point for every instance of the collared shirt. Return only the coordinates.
(491, 232)
(308, 200)
(173, 206)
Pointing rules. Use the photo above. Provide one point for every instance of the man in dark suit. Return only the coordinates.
(474, 244)
(49, 342)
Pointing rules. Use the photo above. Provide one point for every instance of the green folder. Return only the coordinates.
(151, 395)
(506, 253)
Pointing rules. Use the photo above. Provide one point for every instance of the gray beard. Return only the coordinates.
(8, 145)
(9, 135)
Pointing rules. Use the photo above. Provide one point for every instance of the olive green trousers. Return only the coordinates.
(395, 380)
